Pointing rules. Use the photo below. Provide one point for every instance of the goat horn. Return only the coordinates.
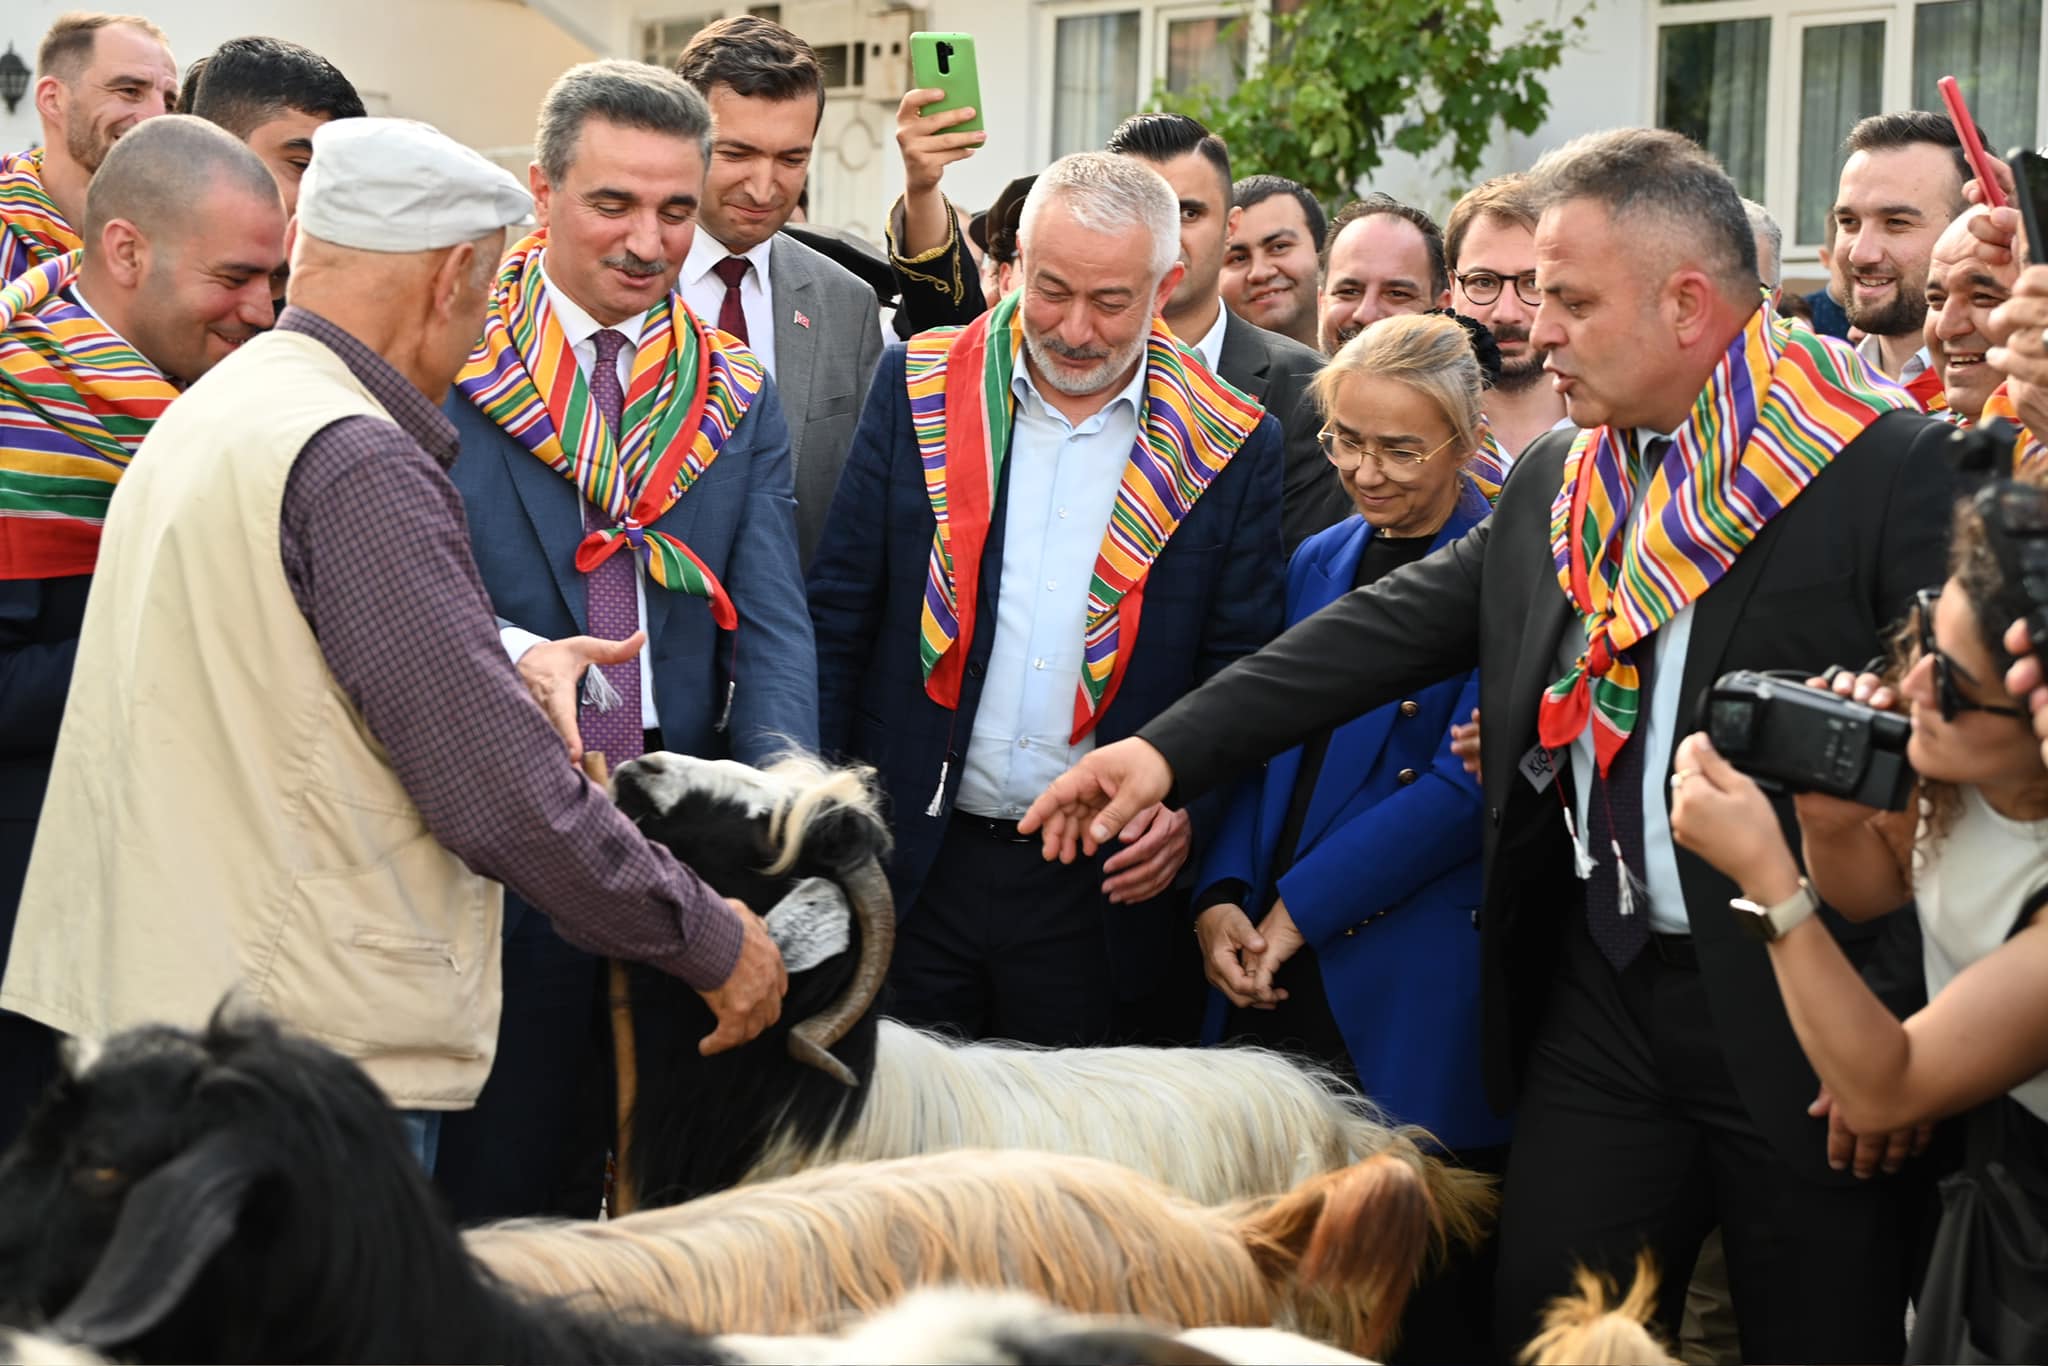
(874, 910)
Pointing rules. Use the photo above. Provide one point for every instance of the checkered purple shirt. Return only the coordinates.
(377, 551)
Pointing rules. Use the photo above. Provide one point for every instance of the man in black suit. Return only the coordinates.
(1660, 1088)
(1273, 369)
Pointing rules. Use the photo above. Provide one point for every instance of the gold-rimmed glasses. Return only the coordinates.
(1398, 463)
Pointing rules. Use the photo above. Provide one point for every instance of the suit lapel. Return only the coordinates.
(1356, 744)
(555, 508)
(1241, 361)
(1717, 612)
(796, 346)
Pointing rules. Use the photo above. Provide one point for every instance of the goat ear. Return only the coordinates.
(170, 1227)
(841, 838)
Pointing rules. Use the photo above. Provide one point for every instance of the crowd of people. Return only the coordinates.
(1282, 627)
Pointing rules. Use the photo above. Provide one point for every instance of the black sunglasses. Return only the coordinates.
(1946, 693)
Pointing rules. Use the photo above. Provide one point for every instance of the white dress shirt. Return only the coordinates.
(1063, 486)
(705, 292)
(581, 331)
(1916, 364)
(1658, 725)
(1211, 344)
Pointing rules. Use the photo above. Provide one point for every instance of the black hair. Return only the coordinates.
(1375, 205)
(246, 82)
(1162, 137)
(1888, 132)
(1257, 189)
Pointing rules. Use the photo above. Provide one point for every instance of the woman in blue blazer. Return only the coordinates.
(1336, 904)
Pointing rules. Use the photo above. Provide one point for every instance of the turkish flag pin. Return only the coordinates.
(800, 320)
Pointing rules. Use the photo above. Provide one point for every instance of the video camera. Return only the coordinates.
(1793, 738)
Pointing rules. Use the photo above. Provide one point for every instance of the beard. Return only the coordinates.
(1904, 312)
(1522, 375)
(1092, 380)
(86, 145)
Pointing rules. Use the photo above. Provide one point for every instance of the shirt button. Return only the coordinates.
(1038, 664)
(1023, 744)
(1051, 585)
(1408, 775)
(1063, 512)
(1411, 709)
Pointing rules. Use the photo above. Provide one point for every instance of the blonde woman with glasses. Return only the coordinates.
(1337, 906)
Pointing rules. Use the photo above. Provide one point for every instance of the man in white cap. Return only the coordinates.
(294, 750)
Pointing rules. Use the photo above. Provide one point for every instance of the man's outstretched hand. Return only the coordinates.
(1086, 806)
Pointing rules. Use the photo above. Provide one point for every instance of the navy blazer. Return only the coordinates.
(525, 521)
(1213, 595)
(1388, 884)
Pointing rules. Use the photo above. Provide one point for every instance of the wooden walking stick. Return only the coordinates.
(625, 1059)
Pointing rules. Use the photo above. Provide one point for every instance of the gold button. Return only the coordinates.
(1411, 708)
(1408, 775)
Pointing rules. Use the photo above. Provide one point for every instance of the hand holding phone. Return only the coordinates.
(1973, 146)
(946, 61)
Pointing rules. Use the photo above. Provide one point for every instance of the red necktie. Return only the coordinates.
(731, 317)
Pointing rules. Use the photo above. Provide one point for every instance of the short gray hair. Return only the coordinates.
(1770, 266)
(630, 94)
(1106, 192)
(1652, 173)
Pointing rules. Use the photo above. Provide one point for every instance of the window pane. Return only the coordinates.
(1841, 69)
(1991, 48)
(1206, 53)
(1710, 87)
(1095, 79)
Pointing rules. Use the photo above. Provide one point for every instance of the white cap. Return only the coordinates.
(398, 186)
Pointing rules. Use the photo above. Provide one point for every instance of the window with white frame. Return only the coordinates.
(1109, 56)
(1771, 87)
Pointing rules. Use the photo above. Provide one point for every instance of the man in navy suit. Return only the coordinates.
(588, 536)
(1073, 463)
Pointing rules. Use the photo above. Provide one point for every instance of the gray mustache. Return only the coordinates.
(635, 266)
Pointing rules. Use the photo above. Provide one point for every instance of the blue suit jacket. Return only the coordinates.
(1392, 831)
(1213, 595)
(525, 521)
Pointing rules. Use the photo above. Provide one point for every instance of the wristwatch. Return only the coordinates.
(1770, 923)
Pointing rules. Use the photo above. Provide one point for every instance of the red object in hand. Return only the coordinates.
(1973, 146)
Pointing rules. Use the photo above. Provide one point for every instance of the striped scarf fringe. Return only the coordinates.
(75, 403)
(689, 388)
(1192, 424)
(1780, 406)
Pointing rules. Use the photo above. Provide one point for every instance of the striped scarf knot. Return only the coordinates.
(1191, 426)
(32, 231)
(1778, 408)
(689, 388)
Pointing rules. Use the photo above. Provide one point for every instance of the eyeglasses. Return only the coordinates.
(1483, 286)
(1398, 464)
(1949, 697)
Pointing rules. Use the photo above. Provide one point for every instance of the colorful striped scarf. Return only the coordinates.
(1780, 406)
(1192, 424)
(2029, 455)
(1488, 467)
(75, 402)
(31, 230)
(1927, 391)
(690, 386)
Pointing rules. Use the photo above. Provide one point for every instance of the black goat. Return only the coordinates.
(755, 835)
(244, 1195)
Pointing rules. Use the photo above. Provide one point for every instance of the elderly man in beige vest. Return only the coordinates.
(295, 759)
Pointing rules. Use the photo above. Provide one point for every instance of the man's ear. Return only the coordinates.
(1167, 285)
(451, 276)
(125, 252)
(1690, 299)
(50, 101)
(537, 182)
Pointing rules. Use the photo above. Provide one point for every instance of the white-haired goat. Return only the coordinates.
(244, 1195)
(1216, 1124)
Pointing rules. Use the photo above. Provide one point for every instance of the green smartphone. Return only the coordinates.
(945, 61)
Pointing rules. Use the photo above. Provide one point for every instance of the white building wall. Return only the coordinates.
(476, 69)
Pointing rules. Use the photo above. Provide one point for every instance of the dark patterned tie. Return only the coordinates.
(1614, 814)
(612, 602)
(731, 317)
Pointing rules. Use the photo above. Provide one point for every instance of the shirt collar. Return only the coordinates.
(1132, 394)
(416, 416)
(707, 251)
(1211, 345)
(78, 297)
(577, 324)
(1916, 364)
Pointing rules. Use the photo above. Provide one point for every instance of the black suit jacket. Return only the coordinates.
(39, 625)
(1276, 371)
(1820, 585)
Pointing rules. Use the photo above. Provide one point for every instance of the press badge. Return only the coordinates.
(1537, 767)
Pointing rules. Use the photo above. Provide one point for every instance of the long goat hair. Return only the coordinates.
(1215, 1124)
(1590, 1328)
(1333, 1258)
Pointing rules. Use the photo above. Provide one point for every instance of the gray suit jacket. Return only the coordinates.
(822, 368)
(1276, 371)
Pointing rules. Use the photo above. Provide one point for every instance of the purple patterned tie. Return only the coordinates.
(613, 603)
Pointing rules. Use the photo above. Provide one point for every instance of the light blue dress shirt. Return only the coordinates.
(1063, 485)
(1661, 727)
